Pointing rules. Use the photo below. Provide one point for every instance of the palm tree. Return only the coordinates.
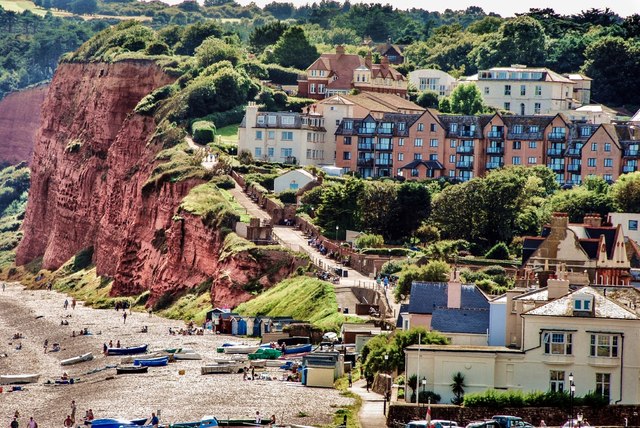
(457, 387)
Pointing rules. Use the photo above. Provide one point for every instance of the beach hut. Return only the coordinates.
(292, 180)
(323, 368)
(238, 326)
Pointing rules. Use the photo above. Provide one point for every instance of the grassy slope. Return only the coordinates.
(19, 6)
(229, 134)
(303, 298)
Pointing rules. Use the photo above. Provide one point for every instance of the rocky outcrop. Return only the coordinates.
(92, 159)
(19, 121)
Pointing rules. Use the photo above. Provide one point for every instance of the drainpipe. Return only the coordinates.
(621, 367)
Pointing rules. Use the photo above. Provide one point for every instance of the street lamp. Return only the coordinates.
(386, 361)
(572, 391)
(337, 227)
(424, 386)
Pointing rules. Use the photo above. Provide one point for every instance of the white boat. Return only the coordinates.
(241, 349)
(187, 356)
(19, 378)
(220, 368)
(79, 359)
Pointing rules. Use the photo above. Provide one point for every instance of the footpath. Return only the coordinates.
(371, 413)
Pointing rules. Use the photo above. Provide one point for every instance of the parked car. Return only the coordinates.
(506, 421)
(490, 423)
(575, 423)
(435, 423)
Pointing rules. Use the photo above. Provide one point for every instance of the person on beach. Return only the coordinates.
(258, 419)
(154, 420)
(124, 316)
(118, 344)
(46, 345)
(32, 423)
(73, 303)
(66, 304)
(14, 423)
(73, 411)
(272, 421)
(104, 348)
(111, 344)
(3, 285)
(68, 423)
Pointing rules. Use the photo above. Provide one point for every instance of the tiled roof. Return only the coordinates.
(462, 121)
(427, 296)
(541, 294)
(371, 104)
(603, 307)
(391, 100)
(474, 321)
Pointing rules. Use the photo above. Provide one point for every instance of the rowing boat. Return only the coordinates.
(187, 356)
(19, 378)
(131, 369)
(241, 349)
(151, 362)
(220, 368)
(79, 359)
(127, 351)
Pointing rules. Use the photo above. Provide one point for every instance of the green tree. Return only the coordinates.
(626, 193)
(457, 388)
(294, 50)
(466, 99)
(367, 240)
(579, 201)
(193, 36)
(214, 50)
(340, 207)
(377, 205)
(427, 99)
(500, 251)
(434, 271)
(266, 35)
(412, 208)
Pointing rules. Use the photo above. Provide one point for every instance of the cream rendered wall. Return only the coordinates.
(333, 114)
(623, 220)
(467, 339)
(551, 99)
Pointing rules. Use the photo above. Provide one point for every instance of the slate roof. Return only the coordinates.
(462, 121)
(474, 321)
(428, 296)
(541, 294)
(603, 307)
(404, 307)
(526, 121)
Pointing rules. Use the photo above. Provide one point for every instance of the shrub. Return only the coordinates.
(288, 197)
(369, 240)
(425, 396)
(387, 251)
(203, 131)
(500, 251)
(224, 182)
(245, 157)
(283, 75)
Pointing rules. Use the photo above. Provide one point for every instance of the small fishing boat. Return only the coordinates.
(187, 356)
(79, 359)
(131, 369)
(241, 349)
(298, 349)
(19, 378)
(151, 362)
(221, 368)
(127, 351)
(118, 423)
(265, 354)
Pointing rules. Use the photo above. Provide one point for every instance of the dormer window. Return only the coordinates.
(582, 305)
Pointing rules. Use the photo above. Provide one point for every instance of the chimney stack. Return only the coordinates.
(559, 286)
(454, 291)
(384, 61)
(593, 220)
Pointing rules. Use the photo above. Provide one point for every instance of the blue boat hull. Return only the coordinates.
(152, 362)
(298, 349)
(127, 351)
(118, 423)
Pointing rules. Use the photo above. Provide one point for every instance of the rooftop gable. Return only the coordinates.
(603, 307)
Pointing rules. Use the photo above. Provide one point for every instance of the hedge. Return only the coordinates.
(203, 131)
(387, 251)
(225, 118)
(283, 75)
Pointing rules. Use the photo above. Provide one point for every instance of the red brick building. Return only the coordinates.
(339, 73)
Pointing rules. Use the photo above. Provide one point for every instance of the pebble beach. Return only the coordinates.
(37, 315)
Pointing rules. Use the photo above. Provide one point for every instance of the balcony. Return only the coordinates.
(574, 167)
(631, 153)
(464, 149)
(464, 165)
(629, 168)
(465, 133)
(497, 150)
(384, 147)
(556, 167)
(496, 135)
(555, 152)
(494, 165)
(556, 136)
(367, 147)
(573, 152)
(384, 162)
(365, 162)
(385, 131)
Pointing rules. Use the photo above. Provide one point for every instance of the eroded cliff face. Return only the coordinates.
(92, 158)
(19, 121)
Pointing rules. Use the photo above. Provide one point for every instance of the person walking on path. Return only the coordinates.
(350, 380)
(124, 316)
(73, 411)
(32, 423)
(66, 304)
(73, 303)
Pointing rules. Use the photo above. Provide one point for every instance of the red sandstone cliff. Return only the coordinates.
(19, 121)
(92, 158)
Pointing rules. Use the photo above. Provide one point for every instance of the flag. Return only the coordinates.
(429, 414)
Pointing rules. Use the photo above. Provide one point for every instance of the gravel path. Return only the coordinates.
(37, 315)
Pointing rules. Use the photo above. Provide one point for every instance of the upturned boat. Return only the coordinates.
(151, 362)
(221, 368)
(187, 356)
(132, 350)
(18, 379)
(79, 359)
(298, 349)
(241, 349)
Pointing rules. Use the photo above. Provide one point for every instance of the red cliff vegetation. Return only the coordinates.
(91, 162)
(19, 121)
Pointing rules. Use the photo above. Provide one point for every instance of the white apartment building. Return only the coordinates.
(526, 91)
(430, 79)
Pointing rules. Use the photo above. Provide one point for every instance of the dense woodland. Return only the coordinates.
(599, 43)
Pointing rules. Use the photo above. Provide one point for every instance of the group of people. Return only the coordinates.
(16, 424)
(318, 245)
(105, 347)
(82, 332)
(272, 419)
(66, 303)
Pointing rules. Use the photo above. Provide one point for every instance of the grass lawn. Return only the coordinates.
(229, 134)
(237, 208)
(20, 6)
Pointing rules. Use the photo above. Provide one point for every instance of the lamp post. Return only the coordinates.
(572, 391)
(424, 387)
(386, 362)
